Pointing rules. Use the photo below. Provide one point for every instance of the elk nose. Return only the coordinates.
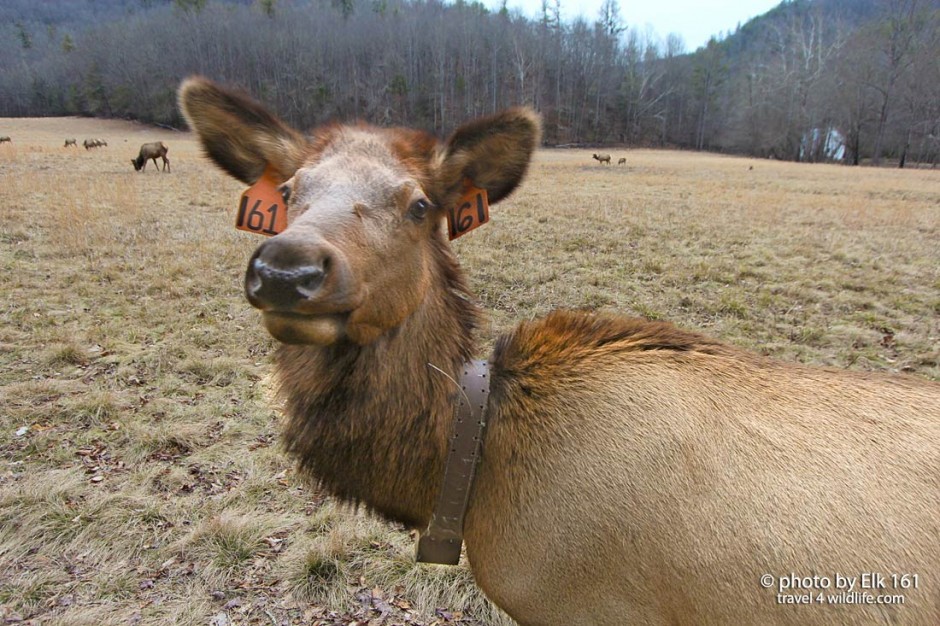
(280, 276)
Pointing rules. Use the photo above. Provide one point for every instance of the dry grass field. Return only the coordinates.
(141, 481)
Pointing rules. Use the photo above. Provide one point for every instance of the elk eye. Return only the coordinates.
(419, 209)
(285, 193)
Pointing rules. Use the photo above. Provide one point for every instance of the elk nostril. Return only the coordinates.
(308, 279)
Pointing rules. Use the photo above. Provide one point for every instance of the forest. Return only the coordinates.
(811, 80)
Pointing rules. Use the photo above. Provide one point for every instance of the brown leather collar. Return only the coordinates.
(441, 541)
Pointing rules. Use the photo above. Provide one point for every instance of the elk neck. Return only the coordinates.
(370, 423)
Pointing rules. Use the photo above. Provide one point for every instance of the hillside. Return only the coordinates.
(866, 69)
(844, 15)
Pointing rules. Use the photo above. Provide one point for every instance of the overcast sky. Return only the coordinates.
(695, 20)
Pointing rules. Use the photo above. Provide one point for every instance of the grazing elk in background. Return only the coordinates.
(154, 150)
(631, 472)
(71, 143)
(91, 143)
(601, 158)
(622, 161)
(5, 139)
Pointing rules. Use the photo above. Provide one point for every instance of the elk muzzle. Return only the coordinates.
(305, 291)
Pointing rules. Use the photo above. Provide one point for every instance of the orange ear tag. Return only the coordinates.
(471, 211)
(262, 209)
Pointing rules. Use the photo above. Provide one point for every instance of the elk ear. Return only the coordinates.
(238, 133)
(493, 152)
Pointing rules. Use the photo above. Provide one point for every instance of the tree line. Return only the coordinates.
(782, 85)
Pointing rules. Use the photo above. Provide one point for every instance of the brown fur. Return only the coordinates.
(5, 140)
(71, 143)
(632, 472)
(154, 150)
(601, 158)
(701, 467)
(622, 161)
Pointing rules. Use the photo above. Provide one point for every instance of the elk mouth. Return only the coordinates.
(306, 295)
(299, 328)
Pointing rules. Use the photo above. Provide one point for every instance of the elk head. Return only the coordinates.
(365, 208)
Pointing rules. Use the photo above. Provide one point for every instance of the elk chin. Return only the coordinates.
(320, 330)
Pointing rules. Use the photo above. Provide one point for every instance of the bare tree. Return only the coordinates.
(895, 42)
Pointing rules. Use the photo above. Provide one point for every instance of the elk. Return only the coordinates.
(71, 143)
(5, 139)
(622, 161)
(631, 472)
(91, 143)
(153, 150)
(601, 158)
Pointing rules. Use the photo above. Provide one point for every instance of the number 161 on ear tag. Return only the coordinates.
(471, 211)
(262, 209)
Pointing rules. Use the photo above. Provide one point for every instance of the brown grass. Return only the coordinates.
(141, 481)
